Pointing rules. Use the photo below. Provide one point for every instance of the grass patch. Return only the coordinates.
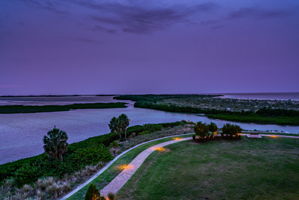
(247, 169)
(10, 109)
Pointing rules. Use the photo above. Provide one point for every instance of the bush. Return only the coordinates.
(93, 193)
(90, 155)
(111, 196)
(202, 133)
(213, 127)
(149, 128)
(201, 129)
(229, 130)
(26, 174)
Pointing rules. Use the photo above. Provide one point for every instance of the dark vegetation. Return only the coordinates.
(188, 105)
(93, 193)
(265, 116)
(10, 109)
(79, 155)
(55, 144)
(119, 125)
(209, 132)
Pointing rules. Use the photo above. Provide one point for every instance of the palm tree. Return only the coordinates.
(55, 143)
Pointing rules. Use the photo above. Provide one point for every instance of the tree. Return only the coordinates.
(119, 125)
(201, 129)
(113, 125)
(55, 143)
(93, 194)
(213, 127)
(124, 123)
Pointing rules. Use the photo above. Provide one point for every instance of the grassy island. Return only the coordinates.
(256, 111)
(10, 109)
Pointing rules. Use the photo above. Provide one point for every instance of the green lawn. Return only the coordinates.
(248, 169)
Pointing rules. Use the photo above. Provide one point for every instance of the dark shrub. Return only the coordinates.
(201, 129)
(93, 193)
(26, 174)
(229, 130)
(91, 155)
(213, 127)
(111, 196)
(202, 133)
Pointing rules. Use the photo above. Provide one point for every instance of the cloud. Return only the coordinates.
(112, 16)
(52, 6)
(141, 20)
(258, 13)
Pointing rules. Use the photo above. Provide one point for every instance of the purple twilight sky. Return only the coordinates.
(148, 46)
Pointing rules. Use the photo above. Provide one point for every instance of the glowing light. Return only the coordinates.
(161, 149)
(125, 167)
(273, 136)
(177, 138)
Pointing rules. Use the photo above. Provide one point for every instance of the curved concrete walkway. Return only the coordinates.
(110, 163)
(121, 179)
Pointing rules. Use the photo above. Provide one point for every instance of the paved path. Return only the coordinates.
(111, 163)
(120, 180)
(269, 135)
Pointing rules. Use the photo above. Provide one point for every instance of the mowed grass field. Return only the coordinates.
(260, 169)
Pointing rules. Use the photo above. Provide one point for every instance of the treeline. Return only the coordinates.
(10, 109)
(175, 108)
(277, 112)
(155, 98)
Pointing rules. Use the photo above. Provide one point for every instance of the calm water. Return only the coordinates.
(21, 134)
(265, 96)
